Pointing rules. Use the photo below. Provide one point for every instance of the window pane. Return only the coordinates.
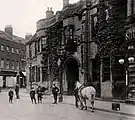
(13, 64)
(7, 48)
(13, 50)
(2, 63)
(7, 65)
(17, 51)
(2, 47)
(17, 65)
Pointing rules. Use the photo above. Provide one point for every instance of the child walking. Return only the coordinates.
(10, 94)
(32, 95)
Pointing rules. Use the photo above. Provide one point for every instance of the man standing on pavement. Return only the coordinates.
(55, 91)
(17, 91)
(39, 94)
(32, 95)
(10, 94)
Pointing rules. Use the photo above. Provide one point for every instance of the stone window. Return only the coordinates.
(2, 47)
(17, 51)
(17, 65)
(13, 65)
(43, 43)
(7, 48)
(38, 46)
(7, 64)
(2, 62)
(13, 50)
(38, 74)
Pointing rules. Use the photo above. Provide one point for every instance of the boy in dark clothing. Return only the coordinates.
(39, 94)
(17, 91)
(55, 91)
(32, 95)
(10, 94)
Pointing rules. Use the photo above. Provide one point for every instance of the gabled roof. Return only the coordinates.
(13, 38)
(5, 35)
(18, 39)
(32, 38)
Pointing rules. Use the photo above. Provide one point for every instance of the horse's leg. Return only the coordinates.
(92, 102)
(81, 104)
(85, 104)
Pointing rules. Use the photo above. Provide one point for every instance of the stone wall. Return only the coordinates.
(106, 89)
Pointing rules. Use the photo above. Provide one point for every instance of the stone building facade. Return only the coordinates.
(130, 38)
(85, 41)
(63, 47)
(12, 57)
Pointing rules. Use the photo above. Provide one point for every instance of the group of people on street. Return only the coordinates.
(39, 93)
(11, 93)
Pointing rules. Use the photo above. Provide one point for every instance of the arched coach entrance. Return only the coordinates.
(72, 74)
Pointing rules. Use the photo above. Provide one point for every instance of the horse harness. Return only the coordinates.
(79, 91)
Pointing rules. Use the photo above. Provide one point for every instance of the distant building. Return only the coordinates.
(12, 58)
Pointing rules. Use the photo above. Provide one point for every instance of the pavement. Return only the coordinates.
(100, 105)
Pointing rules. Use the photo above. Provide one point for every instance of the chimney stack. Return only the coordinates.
(9, 29)
(49, 13)
(28, 36)
(65, 3)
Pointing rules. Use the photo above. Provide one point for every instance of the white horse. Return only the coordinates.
(85, 93)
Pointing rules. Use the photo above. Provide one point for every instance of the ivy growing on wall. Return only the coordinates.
(54, 36)
(110, 32)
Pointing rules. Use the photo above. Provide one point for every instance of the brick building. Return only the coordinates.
(12, 58)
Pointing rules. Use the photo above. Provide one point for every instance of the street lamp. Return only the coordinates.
(60, 68)
(122, 61)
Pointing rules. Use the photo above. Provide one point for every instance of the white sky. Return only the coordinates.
(23, 14)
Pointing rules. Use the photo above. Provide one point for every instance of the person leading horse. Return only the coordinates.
(85, 93)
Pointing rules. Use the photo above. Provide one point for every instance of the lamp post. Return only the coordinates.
(60, 78)
(122, 61)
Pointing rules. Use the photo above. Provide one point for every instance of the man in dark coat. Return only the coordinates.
(32, 95)
(10, 94)
(39, 94)
(55, 91)
(76, 97)
(17, 91)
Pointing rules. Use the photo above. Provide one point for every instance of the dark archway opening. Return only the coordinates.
(72, 75)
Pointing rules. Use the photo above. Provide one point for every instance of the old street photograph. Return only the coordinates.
(67, 60)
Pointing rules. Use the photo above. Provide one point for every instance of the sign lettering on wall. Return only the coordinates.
(130, 34)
